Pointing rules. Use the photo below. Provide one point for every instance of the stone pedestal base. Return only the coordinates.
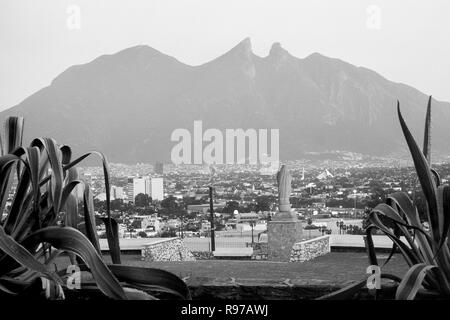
(281, 237)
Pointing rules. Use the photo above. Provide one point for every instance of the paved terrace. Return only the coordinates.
(259, 279)
(237, 279)
(234, 279)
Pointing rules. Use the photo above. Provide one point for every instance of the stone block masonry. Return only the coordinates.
(310, 249)
(282, 235)
(203, 255)
(170, 249)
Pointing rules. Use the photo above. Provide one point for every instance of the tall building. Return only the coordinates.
(129, 190)
(159, 168)
(141, 185)
(157, 189)
(154, 187)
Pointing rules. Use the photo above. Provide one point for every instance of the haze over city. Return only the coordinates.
(410, 45)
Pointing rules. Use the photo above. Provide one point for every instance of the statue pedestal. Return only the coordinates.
(282, 234)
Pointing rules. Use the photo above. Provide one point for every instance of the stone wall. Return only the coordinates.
(307, 250)
(170, 249)
(203, 255)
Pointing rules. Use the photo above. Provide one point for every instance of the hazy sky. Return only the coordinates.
(408, 41)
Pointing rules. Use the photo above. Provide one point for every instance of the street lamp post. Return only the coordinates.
(354, 195)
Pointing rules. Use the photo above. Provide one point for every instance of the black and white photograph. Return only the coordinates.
(218, 156)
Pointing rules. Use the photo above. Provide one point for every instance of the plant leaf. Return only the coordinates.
(112, 234)
(412, 281)
(151, 278)
(424, 173)
(20, 254)
(427, 134)
(72, 240)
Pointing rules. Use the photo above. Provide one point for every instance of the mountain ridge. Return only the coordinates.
(127, 104)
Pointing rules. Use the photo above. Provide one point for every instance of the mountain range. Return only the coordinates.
(127, 104)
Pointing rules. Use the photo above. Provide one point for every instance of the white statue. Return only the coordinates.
(284, 180)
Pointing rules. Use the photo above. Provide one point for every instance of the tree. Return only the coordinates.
(142, 200)
(142, 234)
(263, 203)
(171, 208)
(219, 226)
(168, 233)
(136, 224)
(169, 203)
(230, 207)
(116, 204)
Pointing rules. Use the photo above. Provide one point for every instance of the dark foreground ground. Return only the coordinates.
(335, 267)
(239, 279)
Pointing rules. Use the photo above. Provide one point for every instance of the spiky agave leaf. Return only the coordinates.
(12, 286)
(26, 199)
(351, 290)
(13, 134)
(20, 254)
(135, 294)
(44, 190)
(71, 208)
(89, 219)
(412, 281)
(443, 199)
(403, 228)
(57, 175)
(152, 279)
(425, 177)
(370, 248)
(111, 226)
(409, 211)
(7, 163)
(112, 233)
(410, 256)
(66, 153)
(113, 241)
(427, 134)
(72, 240)
(436, 200)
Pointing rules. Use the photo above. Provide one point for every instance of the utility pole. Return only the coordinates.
(252, 224)
(211, 211)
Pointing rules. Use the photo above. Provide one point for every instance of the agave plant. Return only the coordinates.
(426, 252)
(40, 222)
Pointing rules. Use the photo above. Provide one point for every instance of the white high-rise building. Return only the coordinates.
(154, 187)
(157, 189)
(141, 185)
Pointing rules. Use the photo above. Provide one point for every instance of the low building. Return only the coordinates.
(247, 217)
(149, 222)
(204, 208)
